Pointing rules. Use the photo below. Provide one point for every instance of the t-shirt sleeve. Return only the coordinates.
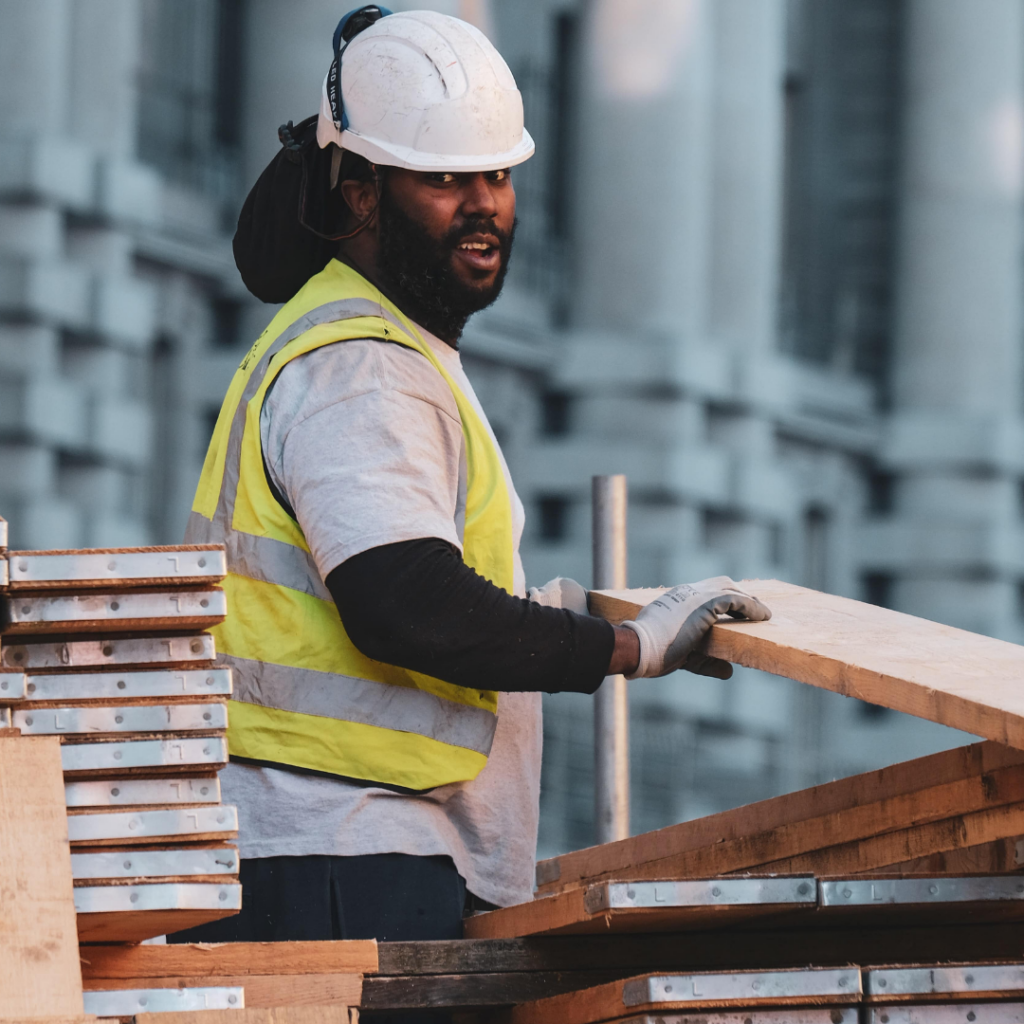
(363, 440)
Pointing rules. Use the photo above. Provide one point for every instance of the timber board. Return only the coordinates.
(927, 789)
(333, 1014)
(940, 673)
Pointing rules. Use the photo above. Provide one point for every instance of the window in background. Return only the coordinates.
(553, 522)
(190, 82)
(555, 413)
(841, 105)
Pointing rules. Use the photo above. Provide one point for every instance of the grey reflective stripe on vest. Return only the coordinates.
(307, 691)
(351, 699)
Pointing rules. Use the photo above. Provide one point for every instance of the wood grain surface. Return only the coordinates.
(353, 956)
(138, 925)
(38, 947)
(973, 777)
(946, 675)
(278, 1015)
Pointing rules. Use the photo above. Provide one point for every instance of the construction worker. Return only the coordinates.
(385, 732)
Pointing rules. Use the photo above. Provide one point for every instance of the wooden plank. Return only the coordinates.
(761, 836)
(898, 661)
(711, 950)
(651, 907)
(695, 991)
(261, 990)
(334, 1014)
(177, 565)
(139, 925)
(38, 948)
(351, 956)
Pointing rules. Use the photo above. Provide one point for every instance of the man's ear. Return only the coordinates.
(360, 197)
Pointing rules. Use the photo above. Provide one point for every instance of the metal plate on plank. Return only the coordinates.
(12, 686)
(129, 1002)
(112, 899)
(943, 979)
(119, 756)
(869, 892)
(136, 565)
(744, 986)
(944, 1013)
(144, 826)
(789, 1015)
(134, 792)
(98, 653)
(206, 682)
(154, 863)
(4, 572)
(700, 893)
(70, 721)
(196, 609)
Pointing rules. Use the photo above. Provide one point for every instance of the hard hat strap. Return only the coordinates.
(348, 28)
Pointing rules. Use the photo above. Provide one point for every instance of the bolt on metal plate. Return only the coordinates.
(37, 613)
(110, 899)
(74, 654)
(139, 825)
(12, 686)
(153, 863)
(948, 1013)
(70, 721)
(124, 754)
(129, 1002)
(789, 1015)
(865, 892)
(208, 682)
(745, 986)
(701, 893)
(131, 792)
(943, 979)
(153, 565)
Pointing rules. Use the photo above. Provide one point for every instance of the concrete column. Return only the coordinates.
(958, 339)
(746, 189)
(643, 167)
(957, 373)
(34, 53)
(103, 96)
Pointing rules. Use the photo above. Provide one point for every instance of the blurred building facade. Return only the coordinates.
(768, 265)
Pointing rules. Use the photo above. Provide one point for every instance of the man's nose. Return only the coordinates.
(478, 197)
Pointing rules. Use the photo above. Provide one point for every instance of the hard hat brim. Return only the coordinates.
(390, 155)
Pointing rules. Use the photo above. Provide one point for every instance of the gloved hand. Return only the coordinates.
(560, 593)
(671, 628)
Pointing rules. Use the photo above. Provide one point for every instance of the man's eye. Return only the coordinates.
(441, 177)
(502, 175)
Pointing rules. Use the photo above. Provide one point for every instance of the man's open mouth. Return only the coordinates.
(481, 252)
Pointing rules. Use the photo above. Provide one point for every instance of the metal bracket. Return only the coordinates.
(169, 753)
(112, 899)
(148, 825)
(78, 720)
(131, 792)
(745, 986)
(129, 1002)
(154, 863)
(208, 682)
(96, 653)
(701, 893)
(100, 567)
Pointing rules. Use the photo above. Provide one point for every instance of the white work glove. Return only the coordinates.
(560, 593)
(672, 627)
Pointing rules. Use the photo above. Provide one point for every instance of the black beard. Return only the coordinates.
(416, 269)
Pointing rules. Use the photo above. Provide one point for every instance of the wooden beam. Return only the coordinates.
(125, 963)
(38, 940)
(261, 990)
(139, 925)
(898, 661)
(972, 777)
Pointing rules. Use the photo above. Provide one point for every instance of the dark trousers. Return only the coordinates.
(391, 897)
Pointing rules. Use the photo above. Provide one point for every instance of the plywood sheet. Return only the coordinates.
(699, 991)
(859, 812)
(186, 564)
(263, 990)
(351, 956)
(38, 947)
(898, 661)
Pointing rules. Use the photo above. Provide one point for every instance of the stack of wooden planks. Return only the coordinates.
(107, 650)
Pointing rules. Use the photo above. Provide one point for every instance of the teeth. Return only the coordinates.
(474, 245)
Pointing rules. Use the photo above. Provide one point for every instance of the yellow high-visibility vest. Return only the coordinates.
(304, 695)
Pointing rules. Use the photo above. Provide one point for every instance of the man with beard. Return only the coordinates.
(385, 732)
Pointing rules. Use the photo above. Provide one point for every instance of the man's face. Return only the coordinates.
(445, 241)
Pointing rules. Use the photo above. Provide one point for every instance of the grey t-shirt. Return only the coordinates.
(363, 440)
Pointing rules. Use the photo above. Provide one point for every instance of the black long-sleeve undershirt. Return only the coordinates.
(416, 604)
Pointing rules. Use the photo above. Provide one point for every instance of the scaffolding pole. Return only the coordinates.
(611, 703)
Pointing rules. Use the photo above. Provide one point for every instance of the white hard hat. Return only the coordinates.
(427, 92)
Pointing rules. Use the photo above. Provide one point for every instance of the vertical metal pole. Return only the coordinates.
(611, 705)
